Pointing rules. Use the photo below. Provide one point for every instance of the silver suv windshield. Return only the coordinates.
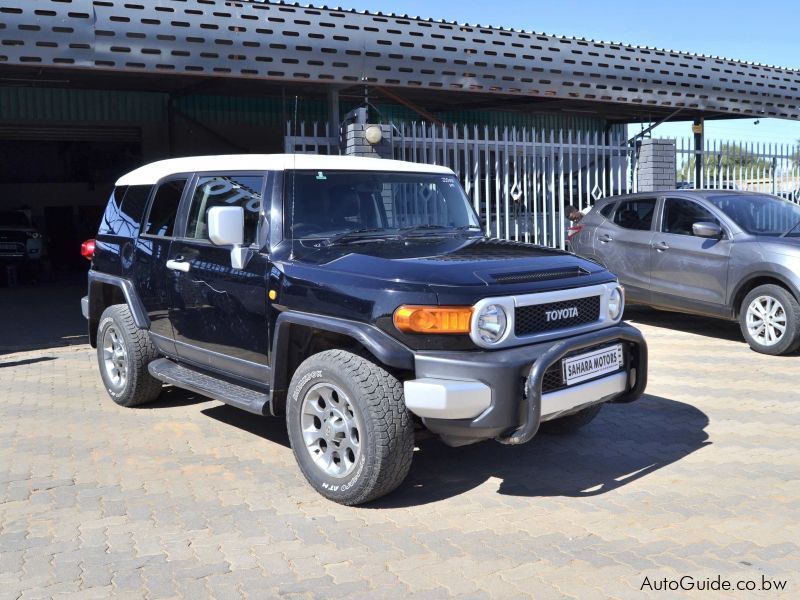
(759, 214)
(335, 204)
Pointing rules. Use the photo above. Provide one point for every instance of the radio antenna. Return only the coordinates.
(294, 172)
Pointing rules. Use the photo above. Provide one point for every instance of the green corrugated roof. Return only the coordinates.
(55, 104)
(497, 118)
(254, 110)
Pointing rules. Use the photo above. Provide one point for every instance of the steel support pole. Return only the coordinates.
(698, 128)
(333, 114)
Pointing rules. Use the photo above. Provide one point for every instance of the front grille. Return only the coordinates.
(8, 249)
(19, 237)
(529, 320)
(553, 378)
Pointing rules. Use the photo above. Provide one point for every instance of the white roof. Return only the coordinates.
(154, 172)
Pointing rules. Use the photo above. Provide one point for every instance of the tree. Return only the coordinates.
(729, 162)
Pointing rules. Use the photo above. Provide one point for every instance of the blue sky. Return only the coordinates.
(766, 32)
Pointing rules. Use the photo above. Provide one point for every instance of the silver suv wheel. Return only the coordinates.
(115, 358)
(331, 429)
(770, 320)
(766, 320)
(349, 428)
(123, 353)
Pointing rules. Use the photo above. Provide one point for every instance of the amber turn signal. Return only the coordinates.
(433, 319)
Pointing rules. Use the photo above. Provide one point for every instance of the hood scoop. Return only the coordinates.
(543, 275)
(495, 250)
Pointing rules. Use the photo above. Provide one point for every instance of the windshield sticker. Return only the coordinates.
(450, 181)
(321, 176)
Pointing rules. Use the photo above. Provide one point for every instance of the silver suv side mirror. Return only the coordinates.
(707, 230)
(226, 228)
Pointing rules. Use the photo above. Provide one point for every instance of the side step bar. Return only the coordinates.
(190, 379)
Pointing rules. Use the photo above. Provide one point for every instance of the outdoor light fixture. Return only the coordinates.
(373, 134)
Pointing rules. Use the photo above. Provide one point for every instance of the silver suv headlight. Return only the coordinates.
(492, 322)
(616, 303)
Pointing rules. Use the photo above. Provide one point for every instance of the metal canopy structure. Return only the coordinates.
(232, 44)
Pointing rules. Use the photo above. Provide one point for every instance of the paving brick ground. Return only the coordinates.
(189, 498)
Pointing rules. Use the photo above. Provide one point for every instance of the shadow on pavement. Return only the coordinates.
(272, 429)
(48, 315)
(705, 326)
(625, 442)
(172, 397)
(28, 361)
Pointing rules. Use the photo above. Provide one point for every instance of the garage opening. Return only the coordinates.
(57, 178)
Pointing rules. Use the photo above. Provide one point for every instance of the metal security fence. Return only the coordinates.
(521, 181)
(313, 138)
(749, 166)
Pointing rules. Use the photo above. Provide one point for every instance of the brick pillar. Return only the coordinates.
(357, 145)
(656, 167)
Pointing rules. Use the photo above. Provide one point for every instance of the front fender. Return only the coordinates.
(765, 271)
(380, 344)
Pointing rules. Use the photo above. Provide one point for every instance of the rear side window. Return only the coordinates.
(111, 221)
(161, 220)
(124, 211)
(225, 190)
(635, 214)
(133, 208)
(607, 210)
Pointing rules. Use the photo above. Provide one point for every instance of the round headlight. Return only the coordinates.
(615, 304)
(492, 323)
(33, 235)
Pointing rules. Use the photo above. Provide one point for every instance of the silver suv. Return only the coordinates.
(19, 239)
(721, 253)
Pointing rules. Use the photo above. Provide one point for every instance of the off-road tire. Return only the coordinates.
(376, 397)
(140, 387)
(571, 423)
(790, 340)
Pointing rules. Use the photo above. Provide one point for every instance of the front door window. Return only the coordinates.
(225, 190)
(681, 214)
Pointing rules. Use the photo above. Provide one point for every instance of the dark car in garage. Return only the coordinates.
(721, 253)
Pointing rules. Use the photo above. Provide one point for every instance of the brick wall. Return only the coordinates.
(357, 145)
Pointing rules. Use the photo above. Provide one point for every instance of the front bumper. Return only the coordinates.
(469, 396)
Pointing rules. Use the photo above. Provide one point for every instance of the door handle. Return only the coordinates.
(604, 239)
(661, 246)
(178, 264)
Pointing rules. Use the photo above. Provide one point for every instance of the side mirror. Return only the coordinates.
(707, 230)
(226, 228)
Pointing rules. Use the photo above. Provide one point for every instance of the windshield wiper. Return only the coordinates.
(425, 229)
(356, 234)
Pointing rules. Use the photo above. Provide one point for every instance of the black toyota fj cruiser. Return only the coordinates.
(356, 296)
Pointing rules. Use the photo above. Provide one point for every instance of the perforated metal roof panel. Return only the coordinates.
(238, 39)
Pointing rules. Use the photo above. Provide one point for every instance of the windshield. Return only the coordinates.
(324, 204)
(759, 214)
(13, 219)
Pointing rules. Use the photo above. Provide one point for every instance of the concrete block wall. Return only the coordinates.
(656, 165)
(357, 145)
